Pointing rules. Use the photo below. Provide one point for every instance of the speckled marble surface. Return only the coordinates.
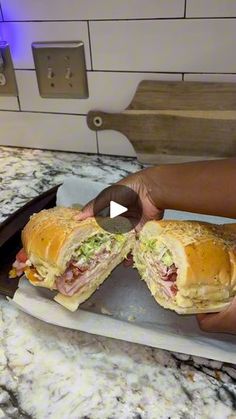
(49, 372)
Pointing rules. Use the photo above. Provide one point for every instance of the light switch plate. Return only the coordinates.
(61, 69)
(8, 86)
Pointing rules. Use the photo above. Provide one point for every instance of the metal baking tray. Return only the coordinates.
(10, 236)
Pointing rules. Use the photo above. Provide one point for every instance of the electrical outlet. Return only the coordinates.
(8, 86)
(61, 69)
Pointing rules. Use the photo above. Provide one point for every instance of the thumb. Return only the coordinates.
(86, 211)
(102, 201)
(224, 321)
(214, 322)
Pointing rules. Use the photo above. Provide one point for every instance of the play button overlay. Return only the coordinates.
(116, 209)
(122, 207)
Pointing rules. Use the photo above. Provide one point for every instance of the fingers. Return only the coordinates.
(87, 211)
(141, 223)
(225, 321)
(98, 204)
(209, 322)
(130, 192)
(201, 317)
(147, 216)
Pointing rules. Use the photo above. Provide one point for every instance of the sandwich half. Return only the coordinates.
(69, 256)
(189, 266)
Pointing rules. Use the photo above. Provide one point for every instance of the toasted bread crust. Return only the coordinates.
(205, 256)
(47, 231)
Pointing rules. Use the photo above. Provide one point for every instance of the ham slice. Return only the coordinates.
(167, 273)
(167, 276)
(19, 265)
(169, 289)
(76, 277)
(20, 262)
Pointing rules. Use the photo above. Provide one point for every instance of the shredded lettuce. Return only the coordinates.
(167, 258)
(94, 243)
(149, 245)
(120, 238)
(158, 249)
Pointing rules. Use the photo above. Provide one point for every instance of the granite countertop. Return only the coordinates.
(49, 372)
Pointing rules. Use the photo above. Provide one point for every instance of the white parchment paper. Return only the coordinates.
(123, 307)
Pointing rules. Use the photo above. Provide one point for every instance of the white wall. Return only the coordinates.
(126, 41)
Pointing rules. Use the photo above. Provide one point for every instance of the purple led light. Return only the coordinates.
(9, 33)
(1, 29)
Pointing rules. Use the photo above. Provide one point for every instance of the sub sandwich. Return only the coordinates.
(189, 267)
(69, 256)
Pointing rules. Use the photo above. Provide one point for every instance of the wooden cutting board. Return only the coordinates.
(176, 121)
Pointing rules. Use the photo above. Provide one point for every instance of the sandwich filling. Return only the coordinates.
(85, 264)
(157, 266)
(87, 260)
(159, 260)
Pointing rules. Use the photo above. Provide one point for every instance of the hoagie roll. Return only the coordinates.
(189, 266)
(69, 256)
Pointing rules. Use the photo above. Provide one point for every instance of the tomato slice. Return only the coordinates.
(21, 256)
(174, 288)
(128, 260)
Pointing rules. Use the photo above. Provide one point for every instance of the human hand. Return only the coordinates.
(225, 321)
(139, 204)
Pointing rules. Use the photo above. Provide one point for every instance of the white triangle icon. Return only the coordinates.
(116, 209)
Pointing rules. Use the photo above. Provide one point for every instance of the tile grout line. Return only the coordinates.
(18, 100)
(98, 151)
(1, 12)
(162, 72)
(185, 6)
(115, 71)
(90, 45)
(122, 20)
(144, 71)
(44, 112)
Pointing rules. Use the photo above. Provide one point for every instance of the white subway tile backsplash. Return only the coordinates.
(210, 77)
(90, 9)
(124, 52)
(108, 91)
(21, 35)
(196, 45)
(113, 142)
(113, 91)
(211, 8)
(9, 103)
(46, 131)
